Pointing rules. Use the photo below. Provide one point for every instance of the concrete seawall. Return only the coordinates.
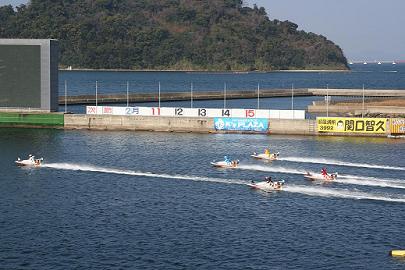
(177, 124)
(163, 124)
(145, 123)
(356, 109)
(357, 92)
(179, 96)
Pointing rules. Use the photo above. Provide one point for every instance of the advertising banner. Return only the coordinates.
(397, 126)
(352, 125)
(241, 124)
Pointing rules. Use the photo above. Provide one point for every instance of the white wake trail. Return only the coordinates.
(371, 181)
(311, 191)
(91, 168)
(340, 163)
(343, 179)
(338, 193)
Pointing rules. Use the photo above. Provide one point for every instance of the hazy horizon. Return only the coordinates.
(365, 30)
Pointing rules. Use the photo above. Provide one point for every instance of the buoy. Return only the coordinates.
(397, 253)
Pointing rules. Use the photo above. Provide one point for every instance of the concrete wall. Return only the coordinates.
(176, 124)
(357, 92)
(152, 123)
(356, 109)
(293, 127)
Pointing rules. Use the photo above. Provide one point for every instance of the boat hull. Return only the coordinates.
(319, 177)
(265, 186)
(29, 163)
(264, 157)
(223, 164)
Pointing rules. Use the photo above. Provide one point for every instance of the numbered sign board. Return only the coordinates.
(196, 112)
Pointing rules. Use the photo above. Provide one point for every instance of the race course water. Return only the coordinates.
(139, 200)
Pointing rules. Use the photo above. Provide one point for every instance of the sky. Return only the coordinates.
(366, 30)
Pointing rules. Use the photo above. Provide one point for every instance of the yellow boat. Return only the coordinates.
(397, 253)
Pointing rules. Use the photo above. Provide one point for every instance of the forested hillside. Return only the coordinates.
(169, 34)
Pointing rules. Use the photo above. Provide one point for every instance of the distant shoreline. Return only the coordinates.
(203, 71)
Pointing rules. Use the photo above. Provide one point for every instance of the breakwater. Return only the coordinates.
(179, 96)
(219, 95)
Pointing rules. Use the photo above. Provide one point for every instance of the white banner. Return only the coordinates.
(196, 112)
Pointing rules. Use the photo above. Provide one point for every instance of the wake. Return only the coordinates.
(309, 191)
(340, 163)
(370, 181)
(339, 193)
(342, 178)
(90, 168)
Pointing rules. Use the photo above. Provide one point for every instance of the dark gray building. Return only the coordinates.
(29, 74)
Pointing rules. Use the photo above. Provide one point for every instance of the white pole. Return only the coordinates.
(258, 95)
(327, 100)
(159, 95)
(191, 94)
(292, 99)
(362, 111)
(127, 94)
(65, 96)
(224, 95)
(96, 93)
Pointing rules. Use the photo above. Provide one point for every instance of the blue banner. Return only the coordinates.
(242, 124)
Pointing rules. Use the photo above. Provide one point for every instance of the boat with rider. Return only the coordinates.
(268, 185)
(226, 163)
(31, 161)
(323, 176)
(266, 155)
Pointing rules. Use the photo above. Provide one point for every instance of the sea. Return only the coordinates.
(151, 200)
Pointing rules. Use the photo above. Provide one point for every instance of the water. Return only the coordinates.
(140, 200)
(385, 76)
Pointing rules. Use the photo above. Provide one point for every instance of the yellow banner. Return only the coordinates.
(352, 125)
(397, 126)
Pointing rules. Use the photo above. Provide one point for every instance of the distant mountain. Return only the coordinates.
(169, 34)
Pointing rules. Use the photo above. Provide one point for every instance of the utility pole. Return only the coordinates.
(65, 96)
(127, 94)
(191, 95)
(224, 95)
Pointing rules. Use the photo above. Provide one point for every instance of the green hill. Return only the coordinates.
(169, 34)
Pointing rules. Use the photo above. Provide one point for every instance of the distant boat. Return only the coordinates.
(393, 62)
(379, 63)
(350, 63)
(365, 63)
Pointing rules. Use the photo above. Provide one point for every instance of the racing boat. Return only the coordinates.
(320, 177)
(267, 186)
(31, 161)
(265, 156)
(225, 164)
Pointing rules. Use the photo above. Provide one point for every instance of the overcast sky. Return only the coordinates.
(364, 29)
